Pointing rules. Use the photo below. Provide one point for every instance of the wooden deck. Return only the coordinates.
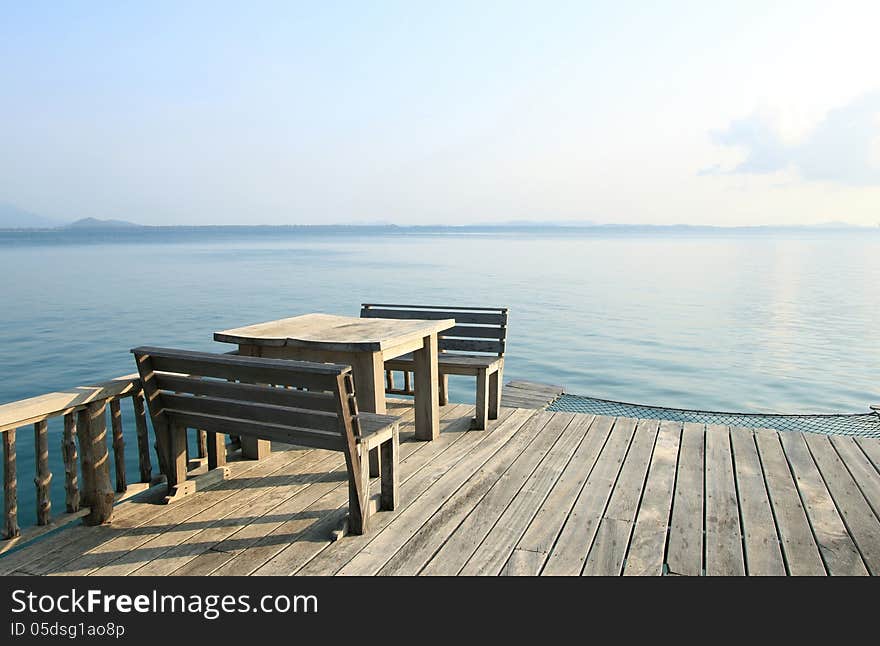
(536, 493)
(528, 394)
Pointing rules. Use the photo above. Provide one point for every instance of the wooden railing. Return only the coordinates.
(84, 448)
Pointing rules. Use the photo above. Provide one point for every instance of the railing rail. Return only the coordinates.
(84, 444)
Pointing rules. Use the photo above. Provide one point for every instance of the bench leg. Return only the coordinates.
(444, 389)
(177, 474)
(359, 505)
(375, 465)
(216, 450)
(390, 497)
(494, 394)
(254, 449)
(482, 418)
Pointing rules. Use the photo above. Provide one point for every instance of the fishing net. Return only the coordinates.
(859, 424)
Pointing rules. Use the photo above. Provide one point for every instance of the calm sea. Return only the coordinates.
(739, 321)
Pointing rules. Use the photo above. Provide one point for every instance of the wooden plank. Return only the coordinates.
(763, 556)
(467, 517)
(135, 531)
(258, 394)
(253, 502)
(871, 448)
(534, 386)
(245, 548)
(408, 521)
(472, 318)
(247, 428)
(798, 545)
(475, 332)
(29, 411)
(471, 345)
(858, 517)
(576, 538)
(497, 547)
(252, 411)
(418, 473)
(861, 469)
(327, 332)
(724, 553)
(518, 393)
(532, 549)
(70, 457)
(685, 549)
(60, 521)
(304, 536)
(59, 549)
(648, 542)
(606, 556)
(835, 544)
(42, 474)
(256, 370)
(500, 310)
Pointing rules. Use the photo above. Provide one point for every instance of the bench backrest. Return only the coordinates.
(477, 329)
(297, 402)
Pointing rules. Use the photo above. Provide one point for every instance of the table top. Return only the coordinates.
(331, 332)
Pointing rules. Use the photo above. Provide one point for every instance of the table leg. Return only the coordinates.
(427, 390)
(368, 370)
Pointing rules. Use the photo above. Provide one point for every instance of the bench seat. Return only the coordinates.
(451, 364)
(375, 428)
(474, 347)
(261, 399)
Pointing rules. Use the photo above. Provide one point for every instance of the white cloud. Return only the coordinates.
(842, 148)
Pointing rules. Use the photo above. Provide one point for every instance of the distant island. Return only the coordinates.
(95, 223)
(13, 218)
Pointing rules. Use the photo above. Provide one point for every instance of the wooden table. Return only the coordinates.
(365, 345)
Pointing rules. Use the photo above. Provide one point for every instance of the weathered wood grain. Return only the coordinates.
(724, 553)
(685, 550)
(861, 522)
(835, 544)
(648, 542)
(576, 538)
(763, 556)
(10, 486)
(611, 543)
(70, 458)
(43, 476)
(798, 545)
(533, 548)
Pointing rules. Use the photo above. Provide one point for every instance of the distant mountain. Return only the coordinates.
(12, 217)
(95, 223)
(541, 223)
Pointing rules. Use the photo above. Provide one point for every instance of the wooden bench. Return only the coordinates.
(308, 404)
(475, 346)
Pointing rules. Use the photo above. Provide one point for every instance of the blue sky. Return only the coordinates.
(453, 112)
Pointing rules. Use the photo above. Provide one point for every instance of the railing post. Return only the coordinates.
(100, 495)
(10, 487)
(42, 477)
(68, 452)
(143, 440)
(118, 445)
(85, 456)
